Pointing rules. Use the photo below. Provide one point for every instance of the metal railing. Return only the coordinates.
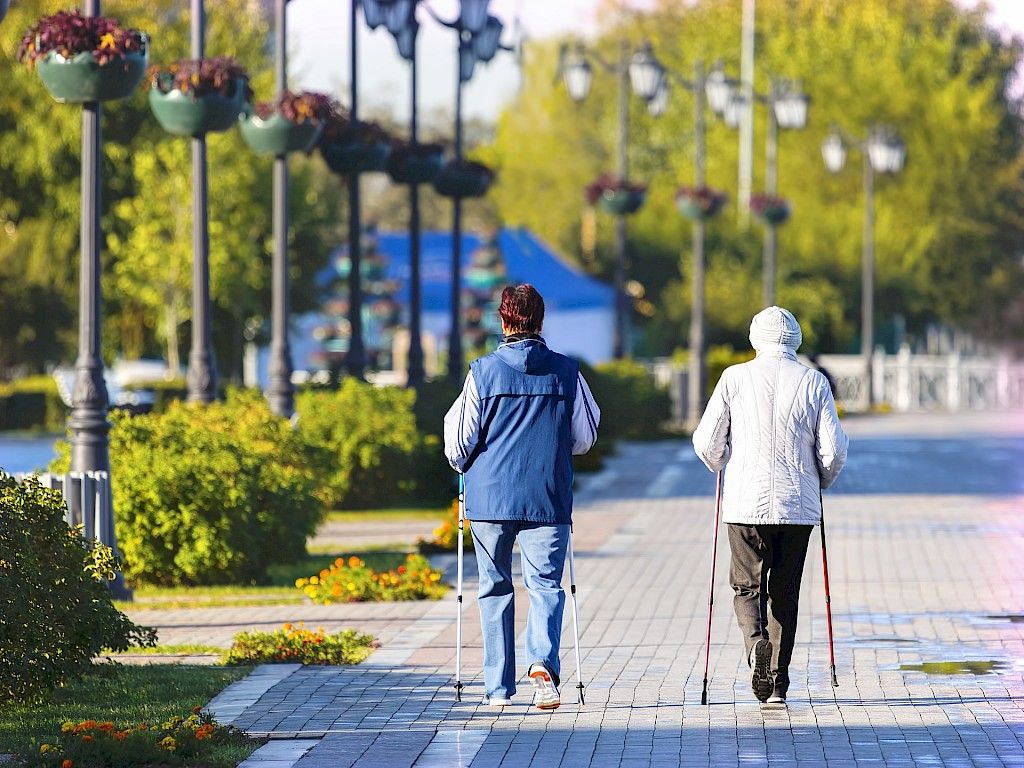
(88, 500)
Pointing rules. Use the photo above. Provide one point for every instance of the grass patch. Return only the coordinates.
(188, 649)
(126, 695)
(395, 514)
(280, 590)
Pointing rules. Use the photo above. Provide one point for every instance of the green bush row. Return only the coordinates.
(32, 403)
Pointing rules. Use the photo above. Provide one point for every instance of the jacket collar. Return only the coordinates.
(515, 338)
(776, 350)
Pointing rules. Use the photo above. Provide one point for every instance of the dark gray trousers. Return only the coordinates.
(767, 564)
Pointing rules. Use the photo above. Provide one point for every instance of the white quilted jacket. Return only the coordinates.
(773, 422)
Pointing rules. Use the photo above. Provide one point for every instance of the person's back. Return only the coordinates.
(522, 469)
(776, 406)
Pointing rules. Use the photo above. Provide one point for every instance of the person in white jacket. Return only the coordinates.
(771, 426)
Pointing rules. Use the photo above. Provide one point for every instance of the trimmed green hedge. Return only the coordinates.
(32, 403)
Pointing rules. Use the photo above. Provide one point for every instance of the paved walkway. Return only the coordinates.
(926, 555)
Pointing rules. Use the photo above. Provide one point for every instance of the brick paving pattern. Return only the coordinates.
(926, 556)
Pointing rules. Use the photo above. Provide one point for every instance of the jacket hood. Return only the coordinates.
(527, 355)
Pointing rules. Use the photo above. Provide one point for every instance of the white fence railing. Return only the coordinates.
(905, 382)
(88, 500)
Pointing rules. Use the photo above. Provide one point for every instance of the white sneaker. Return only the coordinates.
(545, 692)
(496, 701)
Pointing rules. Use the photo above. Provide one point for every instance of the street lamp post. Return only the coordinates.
(882, 152)
(643, 73)
(786, 106)
(202, 370)
(716, 90)
(355, 359)
(280, 393)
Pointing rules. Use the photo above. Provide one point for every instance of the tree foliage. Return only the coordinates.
(948, 228)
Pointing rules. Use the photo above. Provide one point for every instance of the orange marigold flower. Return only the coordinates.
(197, 709)
(106, 727)
(68, 764)
(340, 562)
(354, 562)
(87, 738)
(120, 735)
(88, 725)
(402, 569)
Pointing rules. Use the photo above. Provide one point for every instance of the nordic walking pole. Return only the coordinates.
(828, 597)
(575, 618)
(458, 621)
(711, 597)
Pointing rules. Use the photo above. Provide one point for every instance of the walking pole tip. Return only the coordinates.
(579, 688)
(704, 694)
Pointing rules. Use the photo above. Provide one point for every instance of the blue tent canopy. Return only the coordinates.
(528, 261)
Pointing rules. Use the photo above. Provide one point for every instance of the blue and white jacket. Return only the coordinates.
(523, 413)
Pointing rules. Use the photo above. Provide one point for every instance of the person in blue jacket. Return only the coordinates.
(523, 413)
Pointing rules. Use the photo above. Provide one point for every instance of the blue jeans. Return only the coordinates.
(543, 549)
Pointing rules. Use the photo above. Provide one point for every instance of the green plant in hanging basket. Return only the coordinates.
(699, 203)
(770, 209)
(291, 124)
(415, 163)
(85, 58)
(193, 97)
(463, 178)
(353, 147)
(617, 196)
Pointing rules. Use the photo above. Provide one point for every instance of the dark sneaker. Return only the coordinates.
(545, 690)
(761, 681)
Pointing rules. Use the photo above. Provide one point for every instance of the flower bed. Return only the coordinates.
(196, 96)
(352, 581)
(294, 643)
(617, 196)
(699, 203)
(184, 741)
(446, 535)
(85, 58)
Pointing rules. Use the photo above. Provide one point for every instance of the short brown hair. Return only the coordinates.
(522, 309)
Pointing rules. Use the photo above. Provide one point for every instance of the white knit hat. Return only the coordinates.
(775, 327)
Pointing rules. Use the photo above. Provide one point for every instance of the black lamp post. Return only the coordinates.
(472, 21)
(643, 72)
(280, 393)
(786, 105)
(882, 152)
(202, 370)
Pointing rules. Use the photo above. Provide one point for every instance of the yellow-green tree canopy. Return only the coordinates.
(949, 227)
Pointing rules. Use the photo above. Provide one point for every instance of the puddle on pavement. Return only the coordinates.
(985, 667)
(1013, 618)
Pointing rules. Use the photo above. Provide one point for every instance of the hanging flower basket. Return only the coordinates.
(195, 97)
(82, 59)
(350, 148)
(415, 163)
(699, 203)
(292, 124)
(463, 178)
(616, 196)
(770, 209)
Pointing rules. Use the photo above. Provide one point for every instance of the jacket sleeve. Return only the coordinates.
(831, 442)
(586, 417)
(711, 438)
(462, 426)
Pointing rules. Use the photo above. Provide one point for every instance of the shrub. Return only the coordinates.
(352, 581)
(55, 609)
(32, 403)
(632, 407)
(184, 741)
(164, 392)
(446, 535)
(294, 643)
(367, 438)
(210, 494)
(721, 357)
